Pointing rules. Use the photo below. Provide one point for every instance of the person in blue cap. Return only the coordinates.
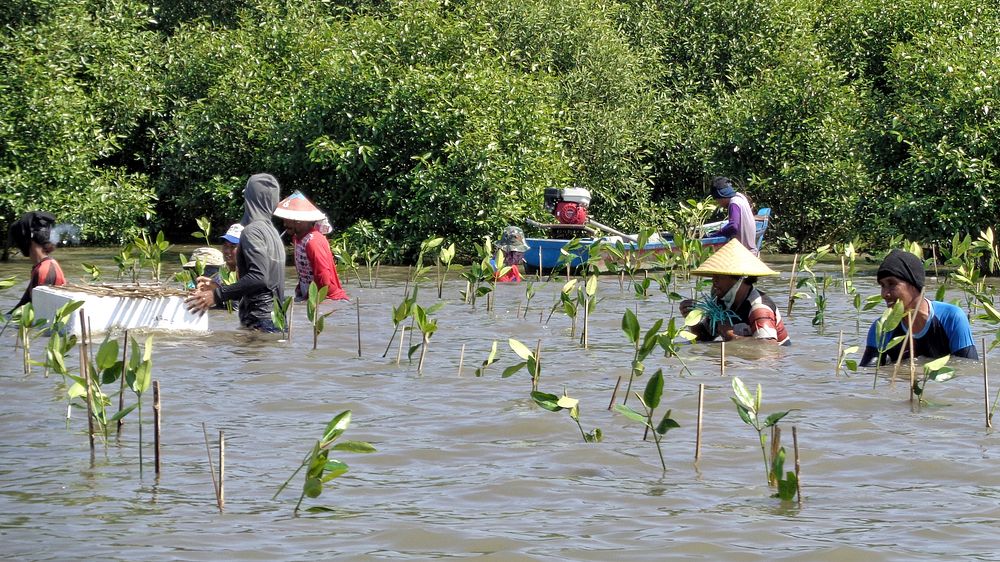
(939, 328)
(741, 225)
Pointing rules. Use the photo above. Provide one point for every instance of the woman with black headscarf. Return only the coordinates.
(31, 234)
(939, 328)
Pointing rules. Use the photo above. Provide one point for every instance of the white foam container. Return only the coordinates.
(109, 313)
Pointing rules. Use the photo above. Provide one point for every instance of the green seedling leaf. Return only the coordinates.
(354, 447)
(654, 390)
(666, 424)
(333, 469)
(567, 403)
(337, 426)
(774, 418)
(509, 371)
(121, 414)
(630, 413)
(743, 397)
(548, 401)
(520, 349)
(630, 325)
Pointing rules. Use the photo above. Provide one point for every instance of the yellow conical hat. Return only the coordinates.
(733, 259)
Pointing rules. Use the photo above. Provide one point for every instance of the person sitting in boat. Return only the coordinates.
(736, 309)
(32, 235)
(513, 246)
(569, 207)
(939, 328)
(741, 225)
(313, 257)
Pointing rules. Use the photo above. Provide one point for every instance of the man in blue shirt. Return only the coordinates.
(939, 328)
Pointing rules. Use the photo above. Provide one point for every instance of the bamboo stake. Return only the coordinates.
(798, 478)
(288, 320)
(358, 301)
(378, 267)
(539, 272)
(85, 371)
(211, 467)
(222, 470)
(538, 366)
(586, 323)
(121, 388)
(701, 409)
(722, 359)
(843, 271)
(908, 342)
(614, 393)
(986, 388)
(791, 286)
(461, 359)
(399, 353)
(156, 425)
(934, 255)
(840, 353)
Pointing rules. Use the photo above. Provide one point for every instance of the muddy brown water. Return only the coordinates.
(469, 467)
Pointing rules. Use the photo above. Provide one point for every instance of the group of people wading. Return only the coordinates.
(254, 250)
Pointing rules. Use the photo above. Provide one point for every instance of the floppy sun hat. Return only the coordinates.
(733, 259)
(297, 208)
(512, 240)
(207, 256)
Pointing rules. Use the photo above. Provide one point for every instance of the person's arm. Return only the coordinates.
(735, 221)
(871, 349)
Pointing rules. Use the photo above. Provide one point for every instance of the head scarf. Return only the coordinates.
(902, 265)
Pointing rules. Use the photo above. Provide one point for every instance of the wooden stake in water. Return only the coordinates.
(121, 388)
(222, 470)
(986, 388)
(461, 359)
(358, 300)
(85, 372)
(156, 425)
(400, 352)
(843, 273)
(701, 409)
(614, 393)
(288, 320)
(798, 477)
(538, 365)
(211, 467)
(722, 358)
(791, 286)
(840, 352)
(539, 278)
(586, 323)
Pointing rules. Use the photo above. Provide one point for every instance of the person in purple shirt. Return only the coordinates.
(741, 225)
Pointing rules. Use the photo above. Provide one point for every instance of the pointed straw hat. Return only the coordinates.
(297, 208)
(734, 259)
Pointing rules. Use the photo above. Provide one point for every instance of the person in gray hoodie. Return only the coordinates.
(260, 261)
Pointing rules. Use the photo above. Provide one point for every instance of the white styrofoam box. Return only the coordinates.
(107, 313)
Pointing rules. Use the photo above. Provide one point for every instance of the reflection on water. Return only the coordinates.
(469, 466)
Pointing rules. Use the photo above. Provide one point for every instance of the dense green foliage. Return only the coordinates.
(849, 118)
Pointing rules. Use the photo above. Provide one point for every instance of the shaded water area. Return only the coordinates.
(470, 467)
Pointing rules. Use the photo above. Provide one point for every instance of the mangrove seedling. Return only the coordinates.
(138, 377)
(443, 262)
(477, 273)
(27, 327)
(427, 327)
(748, 406)
(280, 315)
(93, 271)
(204, 227)
(650, 399)
(642, 346)
(884, 326)
(399, 315)
(554, 403)
(127, 263)
(420, 270)
(936, 370)
(844, 363)
(567, 303)
(528, 361)
(490, 359)
(529, 293)
(151, 251)
(316, 297)
(321, 468)
(788, 485)
(668, 341)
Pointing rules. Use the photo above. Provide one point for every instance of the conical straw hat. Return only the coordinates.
(734, 259)
(297, 208)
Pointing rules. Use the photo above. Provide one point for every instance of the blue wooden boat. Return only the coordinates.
(546, 252)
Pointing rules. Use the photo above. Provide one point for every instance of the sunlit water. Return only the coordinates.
(469, 467)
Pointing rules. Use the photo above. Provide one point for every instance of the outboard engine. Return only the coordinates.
(554, 196)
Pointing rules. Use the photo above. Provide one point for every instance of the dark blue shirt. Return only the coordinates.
(946, 332)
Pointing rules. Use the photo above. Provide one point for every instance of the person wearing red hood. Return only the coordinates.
(313, 258)
(31, 234)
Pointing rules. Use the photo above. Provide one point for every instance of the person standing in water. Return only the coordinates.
(32, 236)
(939, 328)
(741, 226)
(313, 257)
(260, 261)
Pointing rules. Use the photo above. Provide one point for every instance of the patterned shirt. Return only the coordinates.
(314, 261)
